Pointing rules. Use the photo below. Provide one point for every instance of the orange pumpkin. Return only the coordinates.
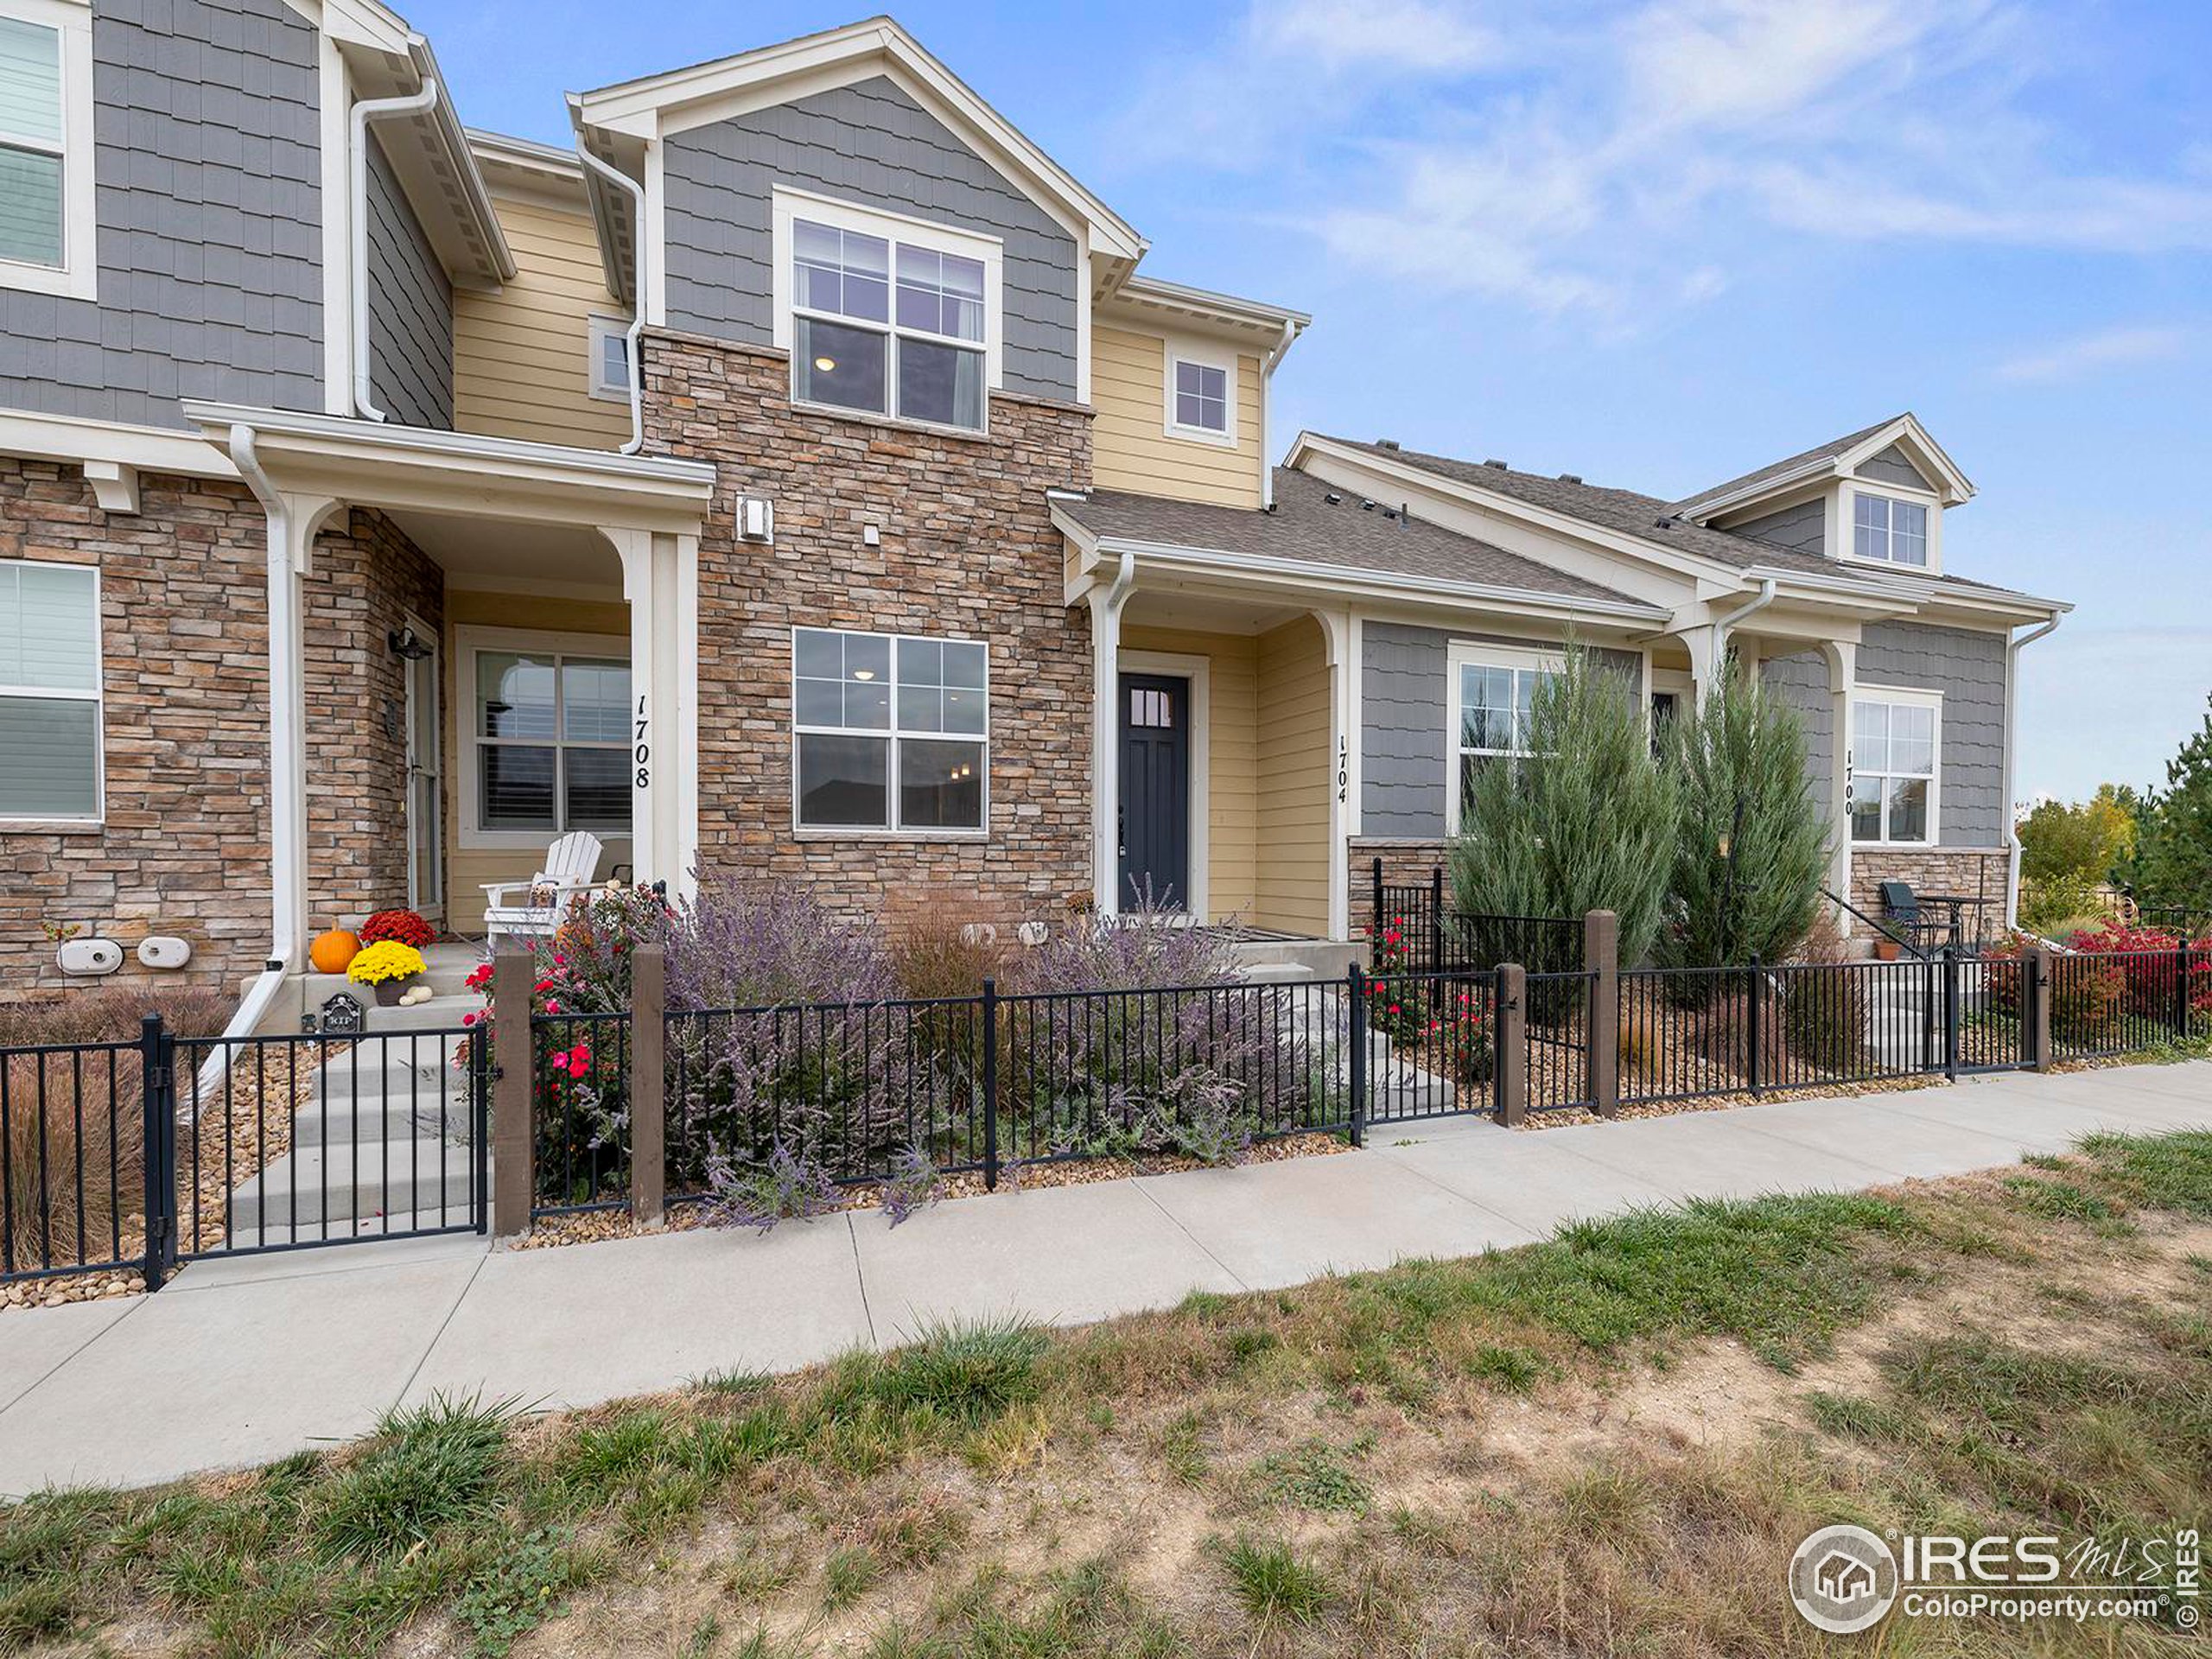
(333, 951)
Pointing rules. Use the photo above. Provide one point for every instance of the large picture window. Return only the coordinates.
(551, 740)
(891, 733)
(1896, 743)
(884, 316)
(49, 693)
(1493, 691)
(46, 177)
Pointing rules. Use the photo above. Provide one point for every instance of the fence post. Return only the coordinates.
(2035, 1008)
(1375, 926)
(1355, 989)
(1601, 960)
(1511, 1063)
(990, 1084)
(648, 1096)
(2181, 992)
(1435, 963)
(1751, 1025)
(514, 1062)
(1951, 1011)
(158, 1102)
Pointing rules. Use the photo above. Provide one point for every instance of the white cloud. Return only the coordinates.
(2085, 354)
(1580, 158)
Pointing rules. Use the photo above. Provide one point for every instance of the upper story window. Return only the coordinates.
(886, 315)
(1895, 761)
(49, 693)
(46, 147)
(1494, 690)
(610, 358)
(1201, 395)
(1890, 530)
(891, 732)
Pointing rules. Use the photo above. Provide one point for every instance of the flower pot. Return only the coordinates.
(1886, 949)
(389, 991)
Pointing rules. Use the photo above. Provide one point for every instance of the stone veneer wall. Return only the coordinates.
(1979, 871)
(184, 641)
(968, 550)
(1406, 862)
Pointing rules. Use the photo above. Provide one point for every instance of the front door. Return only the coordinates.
(425, 869)
(1155, 809)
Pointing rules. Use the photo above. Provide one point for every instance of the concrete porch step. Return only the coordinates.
(454, 1214)
(439, 1014)
(387, 1177)
(367, 1119)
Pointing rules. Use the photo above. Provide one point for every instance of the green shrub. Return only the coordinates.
(1752, 849)
(1585, 821)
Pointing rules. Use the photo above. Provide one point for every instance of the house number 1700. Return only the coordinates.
(643, 754)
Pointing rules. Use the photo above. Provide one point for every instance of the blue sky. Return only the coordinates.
(1655, 243)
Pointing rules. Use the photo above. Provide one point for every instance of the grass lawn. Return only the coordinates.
(1606, 1444)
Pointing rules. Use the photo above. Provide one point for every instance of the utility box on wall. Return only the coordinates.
(89, 958)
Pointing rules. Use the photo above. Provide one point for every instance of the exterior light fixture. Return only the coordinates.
(407, 645)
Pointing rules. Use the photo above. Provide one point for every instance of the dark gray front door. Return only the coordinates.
(1156, 790)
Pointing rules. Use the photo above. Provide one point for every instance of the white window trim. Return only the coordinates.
(894, 733)
(1212, 356)
(77, 277)
(467, 642)
(788, 205)
(1464, 653)
(1847, 527)
(1913, 697)
(96, 696)
(599, 329)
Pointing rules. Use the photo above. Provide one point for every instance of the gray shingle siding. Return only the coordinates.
(1968, 667)
(1803, 528)
(1405, 698)
(872, 145)
(410, 308)
(1801, 681)
(206, 168)
(1890, 467)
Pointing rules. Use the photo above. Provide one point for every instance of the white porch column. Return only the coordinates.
(1106, 602)
(1340, 643)
(1707, 661)
(1842, 659)
(659, 583)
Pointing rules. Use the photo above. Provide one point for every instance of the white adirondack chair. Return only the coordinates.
(569, 863)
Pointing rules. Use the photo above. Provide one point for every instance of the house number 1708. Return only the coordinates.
(643, 754)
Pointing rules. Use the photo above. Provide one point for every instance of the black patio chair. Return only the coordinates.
(1907, 919)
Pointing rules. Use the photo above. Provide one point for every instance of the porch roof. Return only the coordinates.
(1316, 524)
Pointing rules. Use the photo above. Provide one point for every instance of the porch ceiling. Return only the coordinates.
(510, 555)
(1154, 608)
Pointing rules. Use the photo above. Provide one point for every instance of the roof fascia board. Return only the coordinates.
(662, 105)
(72, 441)
(1672, 564)
(1953, 485)
(1206, 305)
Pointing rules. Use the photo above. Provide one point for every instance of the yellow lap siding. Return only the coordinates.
(1130, 450)
(1232, 752)
(1291, 866)
(521, 355)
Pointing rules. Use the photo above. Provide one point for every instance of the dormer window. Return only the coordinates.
(1890, 531)
(886, 315)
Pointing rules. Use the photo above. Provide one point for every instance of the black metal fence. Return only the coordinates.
(2114, 1002)
(136, 1156)
(1414, 929)
(1427, 1045)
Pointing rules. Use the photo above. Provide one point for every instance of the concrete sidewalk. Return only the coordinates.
(242, 1361)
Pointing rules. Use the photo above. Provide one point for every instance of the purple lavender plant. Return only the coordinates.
(912, 1184)
(789, 1186)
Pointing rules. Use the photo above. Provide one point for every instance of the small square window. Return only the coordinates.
(1199, 397)
(610, 358)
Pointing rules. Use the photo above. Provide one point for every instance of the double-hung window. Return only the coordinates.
(49, 693)
(885, 316)
(891, 733)
(1889, 530)
(551, 741)
(1493, 692)
(1895, 758)
(46, 147)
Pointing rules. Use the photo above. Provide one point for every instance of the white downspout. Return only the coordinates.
(622, 181)
(2005, 801)
(1267, 409)
(1722, 624)
(368, 110)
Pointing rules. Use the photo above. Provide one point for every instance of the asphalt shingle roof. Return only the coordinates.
(1828, 451)
(1306, 527)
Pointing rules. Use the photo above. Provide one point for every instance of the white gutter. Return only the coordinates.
(622, 181)
(368, 110)
(1722, 624)
(1276, 354)
(2005, 801)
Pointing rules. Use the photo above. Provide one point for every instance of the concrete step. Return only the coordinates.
(1277, 973)
(306, 1231)
(439, 1014)
(347, 1120)
(311, 1183)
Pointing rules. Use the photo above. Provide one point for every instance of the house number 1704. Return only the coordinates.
(644, 753)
